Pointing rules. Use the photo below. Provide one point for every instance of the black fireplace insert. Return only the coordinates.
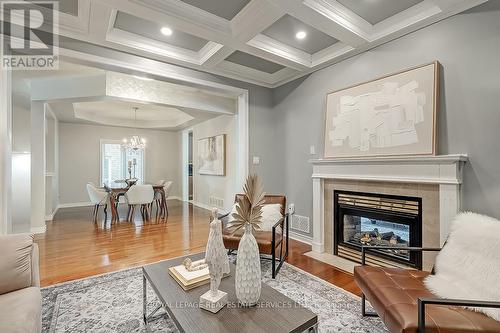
(368, 219)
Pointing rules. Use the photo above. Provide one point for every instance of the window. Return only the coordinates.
(115, 162)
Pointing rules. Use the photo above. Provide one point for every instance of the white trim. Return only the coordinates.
(301, 238)
(74, 204)
(452, 158)
(207, 207)
(5, 151)
(50, 217)
(444, 169)
(185, 161)
(200, 205)
(38, 230)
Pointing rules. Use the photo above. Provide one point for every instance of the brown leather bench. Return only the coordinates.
(269, 242)
(404, 304)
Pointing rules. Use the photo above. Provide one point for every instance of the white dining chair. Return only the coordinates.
(98, 197)
(142, 195)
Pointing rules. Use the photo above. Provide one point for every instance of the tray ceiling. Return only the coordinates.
(251, 40)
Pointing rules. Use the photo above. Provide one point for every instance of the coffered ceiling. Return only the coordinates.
(251, 40)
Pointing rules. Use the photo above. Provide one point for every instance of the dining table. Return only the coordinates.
(117, 190)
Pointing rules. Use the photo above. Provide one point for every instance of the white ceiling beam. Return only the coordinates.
(279, 49)
(218, 56)
(125, 87)
(257, 16)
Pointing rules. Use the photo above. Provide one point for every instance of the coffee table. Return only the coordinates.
(274, 313)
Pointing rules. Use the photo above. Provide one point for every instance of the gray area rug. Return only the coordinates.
(113, 303)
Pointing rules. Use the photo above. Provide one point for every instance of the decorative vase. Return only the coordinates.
(248, 277)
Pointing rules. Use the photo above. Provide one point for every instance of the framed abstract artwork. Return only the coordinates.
(394, 115)
(212, 155)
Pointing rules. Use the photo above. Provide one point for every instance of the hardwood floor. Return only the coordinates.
(74, 247)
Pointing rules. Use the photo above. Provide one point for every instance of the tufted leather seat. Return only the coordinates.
(393, 293)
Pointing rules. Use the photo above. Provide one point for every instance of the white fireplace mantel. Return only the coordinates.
(444, 170)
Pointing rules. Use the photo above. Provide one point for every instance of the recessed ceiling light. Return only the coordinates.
(166, 31)
(301, 35)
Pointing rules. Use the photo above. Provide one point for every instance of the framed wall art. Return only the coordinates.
(394, 115)
(212, 155)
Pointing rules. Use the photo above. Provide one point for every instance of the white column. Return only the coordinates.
(318, 242)
(5, 151)
(243, 141)
(449, 207)
(37, 167)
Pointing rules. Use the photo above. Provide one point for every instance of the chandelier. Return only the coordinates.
(134, 143)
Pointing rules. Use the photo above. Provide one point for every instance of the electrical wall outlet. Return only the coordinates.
(256, 160)
(312, 150)
(291, 209)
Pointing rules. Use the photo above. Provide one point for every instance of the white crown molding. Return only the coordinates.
(208, 51)
(341, 16)
(275, 47)
(255, 17)
(244, 32)
(187, 12)
(80, 23)
(330, 53)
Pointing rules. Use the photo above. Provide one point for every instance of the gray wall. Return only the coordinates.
(79, 145)
(468, 47)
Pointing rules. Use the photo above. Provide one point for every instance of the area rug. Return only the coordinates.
(113, 303)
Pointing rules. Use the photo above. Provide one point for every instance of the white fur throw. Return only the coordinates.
(468, 266)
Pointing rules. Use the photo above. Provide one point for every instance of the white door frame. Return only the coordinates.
(184, 166)
(5, 151)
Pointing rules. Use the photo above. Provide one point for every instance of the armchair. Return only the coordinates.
(402, 301)
(20, 297)
(268, 241)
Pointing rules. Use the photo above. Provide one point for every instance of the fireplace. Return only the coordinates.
(368, 219)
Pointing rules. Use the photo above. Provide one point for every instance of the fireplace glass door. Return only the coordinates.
(366, 219)
(365, 231)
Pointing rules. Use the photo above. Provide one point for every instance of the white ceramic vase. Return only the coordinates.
(248, 277)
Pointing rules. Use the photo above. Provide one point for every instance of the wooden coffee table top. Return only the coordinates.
(274, 313)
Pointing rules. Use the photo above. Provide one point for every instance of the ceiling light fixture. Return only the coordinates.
(301, 35)
(134, 143)
(166, 31)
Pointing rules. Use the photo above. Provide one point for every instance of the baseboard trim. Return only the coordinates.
(38, 230)
(301, 238)
(75, 204)
(207, 207)
(50, 217)
(199, 204)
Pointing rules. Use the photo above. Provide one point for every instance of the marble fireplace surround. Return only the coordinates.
(436, 179)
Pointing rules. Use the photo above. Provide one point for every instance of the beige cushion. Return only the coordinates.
(20, 311)
(15, 262)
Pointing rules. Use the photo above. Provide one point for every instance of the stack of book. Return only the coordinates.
(189, 279)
